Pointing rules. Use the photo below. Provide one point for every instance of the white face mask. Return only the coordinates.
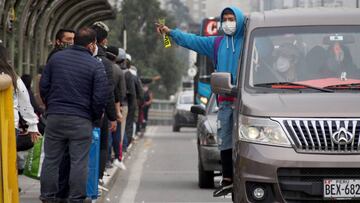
(96, 50)
(229, 27)
(282, 64)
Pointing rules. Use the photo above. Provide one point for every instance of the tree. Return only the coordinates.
(146, 46)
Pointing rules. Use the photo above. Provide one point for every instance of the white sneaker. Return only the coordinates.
(119, 164)
(103, 188)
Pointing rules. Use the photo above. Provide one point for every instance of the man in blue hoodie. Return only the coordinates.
(227, 60)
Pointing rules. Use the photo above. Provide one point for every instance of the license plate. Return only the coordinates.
(341, 188)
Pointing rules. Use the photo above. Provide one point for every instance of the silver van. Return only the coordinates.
(297, 116)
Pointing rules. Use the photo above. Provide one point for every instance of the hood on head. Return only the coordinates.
(240, 18)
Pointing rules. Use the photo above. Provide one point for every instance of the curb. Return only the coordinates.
(109, 181)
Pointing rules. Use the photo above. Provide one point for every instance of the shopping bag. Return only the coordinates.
(93, 165)
(34, 160)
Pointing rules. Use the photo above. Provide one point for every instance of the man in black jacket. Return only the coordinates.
(73, 87)
(110, 110)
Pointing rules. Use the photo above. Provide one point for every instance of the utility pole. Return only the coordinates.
(357, 3)
(124, 34)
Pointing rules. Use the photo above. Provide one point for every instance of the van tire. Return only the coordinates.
(206, 178)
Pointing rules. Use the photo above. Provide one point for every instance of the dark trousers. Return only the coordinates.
(130, 124)
(226, 163)
(62, 132)
(104, 143)
(116, 141)
(64, 173)
(146, 115)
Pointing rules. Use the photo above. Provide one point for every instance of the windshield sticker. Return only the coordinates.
(336, 38)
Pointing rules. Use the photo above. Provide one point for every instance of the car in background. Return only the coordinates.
(182, 115)
(207, 144)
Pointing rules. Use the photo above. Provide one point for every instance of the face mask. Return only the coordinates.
(229, 27)
(64, 45)
(96, 50)
(282, 64)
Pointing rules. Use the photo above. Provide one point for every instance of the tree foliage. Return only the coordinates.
(146, 46)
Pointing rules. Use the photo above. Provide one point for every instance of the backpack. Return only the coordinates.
(216, 49)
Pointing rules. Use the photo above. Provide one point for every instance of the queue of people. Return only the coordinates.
(85, 84)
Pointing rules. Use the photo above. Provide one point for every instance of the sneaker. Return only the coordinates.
(101, 182)
(106, 174)
(119, 164)
(103, 188)
(225, 188)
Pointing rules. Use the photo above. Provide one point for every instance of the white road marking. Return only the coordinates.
(133, 183)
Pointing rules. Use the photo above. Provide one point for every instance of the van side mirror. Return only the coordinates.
(198, 109)
(221, 84)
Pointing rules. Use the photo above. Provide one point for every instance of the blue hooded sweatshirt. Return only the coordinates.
(229, 48)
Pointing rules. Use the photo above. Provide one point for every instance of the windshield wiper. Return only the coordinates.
(351, 86)
(292, 85)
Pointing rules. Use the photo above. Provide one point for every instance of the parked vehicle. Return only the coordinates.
(297, 121)
(207, 144)
(182, 115)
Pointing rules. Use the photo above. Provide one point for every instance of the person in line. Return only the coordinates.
(22, 104)
(148, 98)
(111, 115)
(134, 97)
(120, 61)
(73, 87)
(120, 92)
(226, 60)
(64, 38)
(139, 101)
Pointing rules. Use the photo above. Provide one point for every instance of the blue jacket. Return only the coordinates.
(229, 49)
(74, 83)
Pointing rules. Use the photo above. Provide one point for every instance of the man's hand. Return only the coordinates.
(162, 29)
(113, 125)
(34, 136)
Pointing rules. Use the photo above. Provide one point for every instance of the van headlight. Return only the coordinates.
(263, 131)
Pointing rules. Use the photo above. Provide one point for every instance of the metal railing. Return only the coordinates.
(161, 112)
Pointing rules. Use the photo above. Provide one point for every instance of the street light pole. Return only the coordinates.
(357, 3)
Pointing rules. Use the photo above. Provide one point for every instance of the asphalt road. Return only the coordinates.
(162, 167)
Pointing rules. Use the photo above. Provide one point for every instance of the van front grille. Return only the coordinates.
(299, 185)
(324, 136)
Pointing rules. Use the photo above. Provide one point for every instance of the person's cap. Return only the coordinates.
(128, 57)
(102, 25)
(101, 30)
(133, 70)
(122, 54)
(113, 50)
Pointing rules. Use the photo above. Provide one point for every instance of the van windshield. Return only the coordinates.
(313, 57)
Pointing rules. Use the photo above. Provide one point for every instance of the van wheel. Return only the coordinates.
(176, 128)
(206, 178)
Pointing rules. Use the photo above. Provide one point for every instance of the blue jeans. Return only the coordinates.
(115, 138)
(225, 125)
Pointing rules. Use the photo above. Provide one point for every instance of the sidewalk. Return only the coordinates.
(30, 188)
